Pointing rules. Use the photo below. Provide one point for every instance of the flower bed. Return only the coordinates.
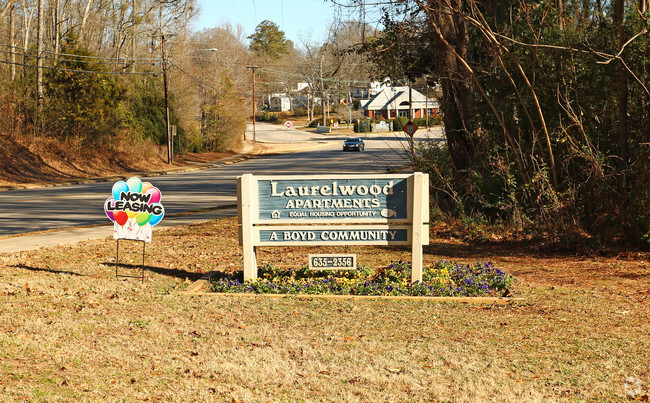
(441, 279)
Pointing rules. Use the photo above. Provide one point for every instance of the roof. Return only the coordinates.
(398, 98)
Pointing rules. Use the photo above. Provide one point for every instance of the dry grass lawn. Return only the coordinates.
(69, 330)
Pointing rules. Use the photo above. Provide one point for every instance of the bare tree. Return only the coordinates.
(211, 82)
(39, 54)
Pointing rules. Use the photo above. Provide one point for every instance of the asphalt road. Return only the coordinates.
(70, 206)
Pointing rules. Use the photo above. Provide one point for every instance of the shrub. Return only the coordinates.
(267, 117)
(399, 123)
(422, 122)
(316, 122)
(300, 111)
(362, 126)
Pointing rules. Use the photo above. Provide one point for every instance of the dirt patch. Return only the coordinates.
(50, 160)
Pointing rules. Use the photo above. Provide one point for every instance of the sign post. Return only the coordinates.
(288, 126)
(333, 210)
(410, 128)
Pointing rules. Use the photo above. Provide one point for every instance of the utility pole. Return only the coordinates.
(410, 102)
(254, 110)
(350, 103)
(426, 105)
(170, 151)
(411, 118)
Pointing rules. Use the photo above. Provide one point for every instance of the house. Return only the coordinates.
(366, 91)
(280, 103)
(301, 86)
(392, 102)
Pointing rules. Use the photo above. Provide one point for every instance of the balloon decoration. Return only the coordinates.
(108, 212)
(121, 217)
(118, 188)
(135, 207)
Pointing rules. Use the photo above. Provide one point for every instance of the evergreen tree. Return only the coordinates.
(269, 41)
(81, 101)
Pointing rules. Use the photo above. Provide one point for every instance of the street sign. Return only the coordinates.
(336, 125)
(410, 129)
(288, 124)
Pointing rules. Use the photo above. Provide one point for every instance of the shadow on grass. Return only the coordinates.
(177, 273)
(38, 269)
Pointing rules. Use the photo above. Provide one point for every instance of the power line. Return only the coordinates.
(315, 78)
(197, 80)
(123, 61)
(73, 55)
(196, 58)
(84, 71)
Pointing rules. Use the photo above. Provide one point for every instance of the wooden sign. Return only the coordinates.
(333, 210)
(317, 199)
(332, 235)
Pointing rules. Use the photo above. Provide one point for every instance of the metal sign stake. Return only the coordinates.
(117, 259)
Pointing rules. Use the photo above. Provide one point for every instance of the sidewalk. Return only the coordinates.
(38, 240)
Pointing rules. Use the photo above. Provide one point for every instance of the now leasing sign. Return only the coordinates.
(333, 210)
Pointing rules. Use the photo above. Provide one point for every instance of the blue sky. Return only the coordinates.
(297, 18)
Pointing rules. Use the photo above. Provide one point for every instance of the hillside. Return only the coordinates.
(48, 160)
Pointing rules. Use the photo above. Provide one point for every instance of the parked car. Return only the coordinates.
(354, 144)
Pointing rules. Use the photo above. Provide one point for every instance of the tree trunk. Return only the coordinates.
(84, 21)
(322, 88)
(455, 84)
(39, 52)
(57, 27)
(134, 17)
(27, 28)
(12, 41)
(622, 86)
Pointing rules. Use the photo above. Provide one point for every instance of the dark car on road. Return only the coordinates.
(354, 144)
